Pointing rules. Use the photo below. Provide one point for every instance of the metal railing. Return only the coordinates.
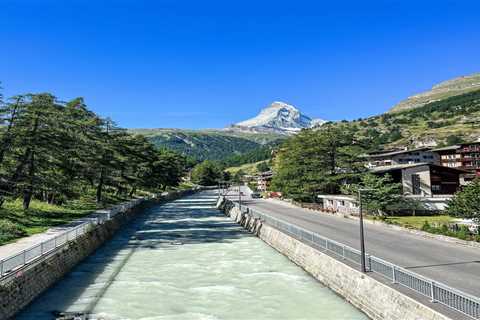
(435, 291)
(16, 261)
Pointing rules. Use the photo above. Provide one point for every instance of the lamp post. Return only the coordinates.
(362, 235)
(239, 198)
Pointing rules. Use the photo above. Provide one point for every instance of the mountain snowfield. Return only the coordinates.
(278, 117)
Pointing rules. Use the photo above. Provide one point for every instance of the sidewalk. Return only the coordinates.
(10, 249)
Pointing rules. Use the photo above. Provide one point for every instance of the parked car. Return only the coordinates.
(256, 195)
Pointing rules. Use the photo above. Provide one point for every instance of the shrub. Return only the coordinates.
(463, 233)
(426, 226)
(444, 229)
(10, 231)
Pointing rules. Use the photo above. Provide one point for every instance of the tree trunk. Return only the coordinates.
(28, 154)
(28, 191)
(21, 165)
(132, 192)
(51, 198)
(100, 187)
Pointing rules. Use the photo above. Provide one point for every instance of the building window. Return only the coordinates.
(436, 187)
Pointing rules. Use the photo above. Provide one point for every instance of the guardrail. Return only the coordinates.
(14, 262)
(436, 291)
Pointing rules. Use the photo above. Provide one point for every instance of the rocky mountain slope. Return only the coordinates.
(278, 117)
(440, 91)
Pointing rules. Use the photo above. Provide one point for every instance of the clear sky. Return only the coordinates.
(207, 64)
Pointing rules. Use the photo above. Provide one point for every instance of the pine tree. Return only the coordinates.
(314, 162)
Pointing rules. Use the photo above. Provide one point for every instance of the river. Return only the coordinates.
(186, 260)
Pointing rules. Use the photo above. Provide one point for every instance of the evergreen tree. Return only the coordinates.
(314, 162)
(379, 193)
(263, 167)
(207, 173)
(55, 151)
(466, 203)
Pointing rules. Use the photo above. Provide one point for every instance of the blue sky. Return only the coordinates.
(207, 64)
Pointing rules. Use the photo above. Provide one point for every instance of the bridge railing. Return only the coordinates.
(437, 292)
(24, 257)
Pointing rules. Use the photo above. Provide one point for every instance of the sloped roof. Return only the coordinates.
(384, 169)
(393, 153)
(448, 148)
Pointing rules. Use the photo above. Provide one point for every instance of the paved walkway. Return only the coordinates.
(10, 249)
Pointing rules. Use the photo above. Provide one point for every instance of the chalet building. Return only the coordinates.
(401, 157)
(424, 179)
(341, 204)
(430, 184)
(465, 156)
(263, 181)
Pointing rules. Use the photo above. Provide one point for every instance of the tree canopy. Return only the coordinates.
(56, 151)
(466, 203)
(316, 161)
(207, 173)
(378, 193)
(263, 167)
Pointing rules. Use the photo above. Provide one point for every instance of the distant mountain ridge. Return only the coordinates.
(278, 117)
(208, 144)
(443, 90)
(274, 123)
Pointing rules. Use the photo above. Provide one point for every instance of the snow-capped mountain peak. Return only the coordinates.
(280, 117)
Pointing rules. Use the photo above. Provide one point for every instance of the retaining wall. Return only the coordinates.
(24, 285)
(377, 300)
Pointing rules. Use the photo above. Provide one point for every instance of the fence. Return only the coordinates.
(435, 291)
(12, 263)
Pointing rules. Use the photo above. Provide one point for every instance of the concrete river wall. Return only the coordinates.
(376, 299)
(22, 286)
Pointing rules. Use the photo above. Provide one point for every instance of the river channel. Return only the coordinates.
(186, 260)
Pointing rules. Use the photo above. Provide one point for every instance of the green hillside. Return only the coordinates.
(207, 144)
(443, 90)
(248, 168)
(442, 122)
(259, 154)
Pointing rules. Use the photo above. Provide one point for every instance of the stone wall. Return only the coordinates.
(374, 298)
(24, 285)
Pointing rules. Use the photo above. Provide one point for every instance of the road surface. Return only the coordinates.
(455, 265)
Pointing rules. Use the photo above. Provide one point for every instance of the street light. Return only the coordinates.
(362, 237)
(239, 198)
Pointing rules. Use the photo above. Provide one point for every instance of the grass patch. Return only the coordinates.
(16, 222)
(441, 224)
(248, 168)
(416, 222)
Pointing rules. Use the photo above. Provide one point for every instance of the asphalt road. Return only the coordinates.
(455, 265)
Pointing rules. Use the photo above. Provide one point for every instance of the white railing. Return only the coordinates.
(16, 261)
(435, 291)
